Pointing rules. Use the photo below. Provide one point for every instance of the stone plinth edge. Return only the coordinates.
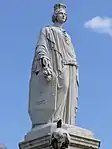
(40, 137)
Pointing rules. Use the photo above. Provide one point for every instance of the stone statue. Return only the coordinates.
(53, 91)
(53, 87)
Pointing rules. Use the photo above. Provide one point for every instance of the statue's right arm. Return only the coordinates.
(42, 57)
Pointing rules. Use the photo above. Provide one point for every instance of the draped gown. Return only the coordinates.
(57, 99)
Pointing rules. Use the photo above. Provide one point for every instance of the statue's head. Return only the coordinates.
(60, 15)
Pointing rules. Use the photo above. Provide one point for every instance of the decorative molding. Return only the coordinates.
(75, 141)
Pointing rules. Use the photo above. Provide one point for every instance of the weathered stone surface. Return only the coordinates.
(53, 92)
(76, 142)
(47, 129)
(79, 138)
(53, 88)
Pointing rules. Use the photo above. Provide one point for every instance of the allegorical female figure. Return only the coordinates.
(53, 88)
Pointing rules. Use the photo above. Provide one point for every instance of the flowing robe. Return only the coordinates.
(56, 99)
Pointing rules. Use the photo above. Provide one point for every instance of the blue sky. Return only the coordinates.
(20, 22)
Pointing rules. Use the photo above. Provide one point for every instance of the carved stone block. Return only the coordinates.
(41, 138)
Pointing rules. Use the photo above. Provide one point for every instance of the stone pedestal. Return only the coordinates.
(40, 138)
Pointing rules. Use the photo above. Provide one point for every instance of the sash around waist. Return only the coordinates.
(70, 62)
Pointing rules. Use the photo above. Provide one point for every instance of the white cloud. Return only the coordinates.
(100, 25)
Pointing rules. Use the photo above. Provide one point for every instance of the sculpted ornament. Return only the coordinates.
(60, 137)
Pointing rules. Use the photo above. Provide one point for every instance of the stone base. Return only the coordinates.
(40, 137)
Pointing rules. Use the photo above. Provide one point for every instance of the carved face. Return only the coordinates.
(61, 15)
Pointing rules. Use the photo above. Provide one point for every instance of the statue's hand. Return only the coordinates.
(46, 68)
(47, 73)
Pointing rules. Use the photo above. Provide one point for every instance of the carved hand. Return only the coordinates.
(46, 68)
(47, 73)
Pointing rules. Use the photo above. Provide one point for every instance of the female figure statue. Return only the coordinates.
(53, 90)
